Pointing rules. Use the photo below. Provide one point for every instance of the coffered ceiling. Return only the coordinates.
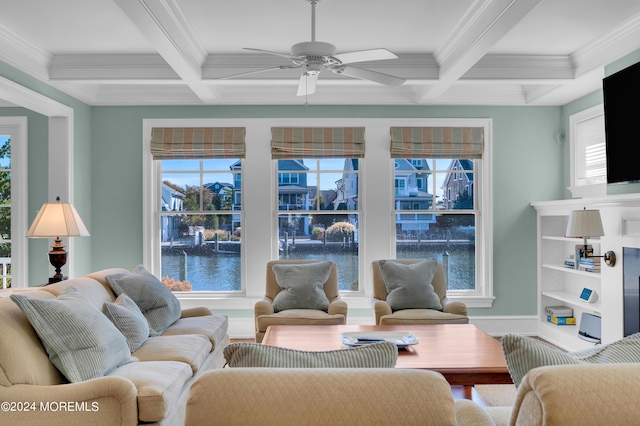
(450, 52)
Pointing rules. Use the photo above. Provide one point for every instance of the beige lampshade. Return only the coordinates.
(57, 220)
(585, 223)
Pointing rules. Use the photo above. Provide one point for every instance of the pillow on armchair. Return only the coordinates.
(302, 285)
(409, 285)
(524, 353)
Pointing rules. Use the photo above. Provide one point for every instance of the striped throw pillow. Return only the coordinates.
(375, 355)
(524, 353)
(81, 342)
(157, 303)
(127, 317)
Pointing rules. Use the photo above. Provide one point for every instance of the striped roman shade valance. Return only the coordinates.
(317, 142)
(437, 142)
(168, 143)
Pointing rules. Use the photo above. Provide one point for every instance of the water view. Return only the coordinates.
(221, 272)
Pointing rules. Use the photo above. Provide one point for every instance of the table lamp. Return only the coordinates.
(56, 220)
(587, 224)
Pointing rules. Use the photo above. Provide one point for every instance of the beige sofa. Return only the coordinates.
(151, 391)
(585, 395)
(320, 396)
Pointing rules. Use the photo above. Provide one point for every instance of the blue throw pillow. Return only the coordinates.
(157, 303)
(81, 342)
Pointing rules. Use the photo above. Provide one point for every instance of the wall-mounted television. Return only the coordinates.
(621, 116)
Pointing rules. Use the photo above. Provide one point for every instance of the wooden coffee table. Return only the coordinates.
(462, 353)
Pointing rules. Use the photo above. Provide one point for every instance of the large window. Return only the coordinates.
(438, 221)
(5, 211)
(318, 213)
(437, 209)
(198, 207)
(13, 202)
(200, 224)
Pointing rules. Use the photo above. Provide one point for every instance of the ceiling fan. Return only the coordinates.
(313, 57)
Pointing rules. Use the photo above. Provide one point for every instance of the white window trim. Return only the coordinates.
(258, 227)
(16, 128)
(580, 191)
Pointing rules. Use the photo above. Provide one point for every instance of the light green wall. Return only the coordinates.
(527, 164)
(38, 174)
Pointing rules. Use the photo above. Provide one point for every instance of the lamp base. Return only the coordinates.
(57, 258)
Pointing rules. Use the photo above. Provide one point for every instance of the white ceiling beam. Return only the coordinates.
(484, 24)
(166, 27)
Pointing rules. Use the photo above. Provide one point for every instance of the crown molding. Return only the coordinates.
(23, 55)
(608, 48)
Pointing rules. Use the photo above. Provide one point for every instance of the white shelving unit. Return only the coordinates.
(558, 285)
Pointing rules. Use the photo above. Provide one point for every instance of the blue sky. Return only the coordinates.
(5, 162)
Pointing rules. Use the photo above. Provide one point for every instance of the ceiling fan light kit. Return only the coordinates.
(316, 56)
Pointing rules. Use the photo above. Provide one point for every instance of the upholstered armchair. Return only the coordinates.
(300, 306)
(448, 311)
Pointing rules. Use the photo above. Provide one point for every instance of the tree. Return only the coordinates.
(464, 201)
(5, 200)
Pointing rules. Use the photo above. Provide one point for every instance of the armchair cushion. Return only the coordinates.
(81, 342)
(157, 303)
(524, 353)
(302, 286)
(409, 285)
(127, 317)
(375, 355)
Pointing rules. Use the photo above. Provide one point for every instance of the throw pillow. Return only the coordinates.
(157, 303)
(302, 285)
(409, 285)
(524, 353)
(128, 318)
(375, 355)
(81, 342)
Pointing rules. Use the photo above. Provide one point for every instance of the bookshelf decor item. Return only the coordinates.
(587, 224)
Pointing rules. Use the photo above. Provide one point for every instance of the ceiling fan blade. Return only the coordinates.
(270, 52)
(282, 67)
(376, 77)
(307, 85)
(364, 56)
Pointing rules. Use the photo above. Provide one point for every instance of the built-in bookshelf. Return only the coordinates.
(559, 285)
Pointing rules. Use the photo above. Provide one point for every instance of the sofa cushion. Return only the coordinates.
(302, 285)
(213, 326)
(159, 385)
(25, 361)
(524, 353)
(191, 349)
(157, 303)
(409, 285)
(81, 342)
(375, 355)
(128, 318)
